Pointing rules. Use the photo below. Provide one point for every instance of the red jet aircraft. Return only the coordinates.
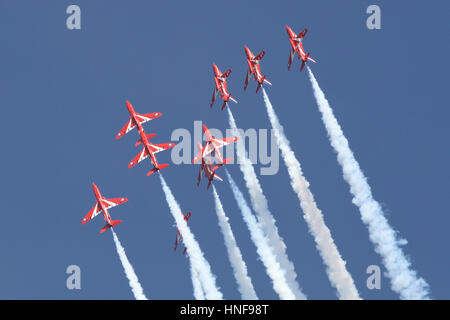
(179, 238)
(102, 205)
(221, 86)
(254, 68)
(297, 47)
(209, 170)
(212, 145)
(136, 120)
(149, 149)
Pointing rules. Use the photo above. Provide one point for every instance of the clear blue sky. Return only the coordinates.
(63, 99)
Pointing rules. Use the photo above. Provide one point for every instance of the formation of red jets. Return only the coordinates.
(212, 145)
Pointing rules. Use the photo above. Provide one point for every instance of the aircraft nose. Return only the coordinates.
(129, 106)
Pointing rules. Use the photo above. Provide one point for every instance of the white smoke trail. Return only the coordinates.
(404, 280)
(199, 263)
(234, 253)
(260, 206)
(198, 290)
(337, 273)
(129, 271)
(264, 250)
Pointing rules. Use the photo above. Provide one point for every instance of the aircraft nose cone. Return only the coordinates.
(129, 106)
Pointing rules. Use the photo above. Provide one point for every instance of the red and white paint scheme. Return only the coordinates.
(208, 170)
(220, 80)
(136, 120)
(149, 150)
(101, 206)
(179, 238)
(213, 144)
(254, 68)
(297, 48)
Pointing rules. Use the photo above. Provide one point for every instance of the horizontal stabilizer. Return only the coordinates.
(302, 66)
(149, 136)
(258, 87)
(224, 105)
(233, 99)
(107, 226)
(225, 161)
(160, 167)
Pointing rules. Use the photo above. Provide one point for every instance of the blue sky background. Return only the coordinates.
(63, 99)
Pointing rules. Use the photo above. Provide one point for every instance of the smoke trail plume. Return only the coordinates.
(199, 263)
(337, 273)
(264, 250)
(198, 290)
(260, 206)
(129, 271)
(234, 253)
(404, 280)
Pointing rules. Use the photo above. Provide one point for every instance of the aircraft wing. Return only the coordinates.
(142, 118)
(260, 55)
(91, 214)
(227, 73)
(127, 128)
(219, 143)
(203, 153)
(141, 156)
(246, 79)
(302, 34)
(109, 203)
(161, 147)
